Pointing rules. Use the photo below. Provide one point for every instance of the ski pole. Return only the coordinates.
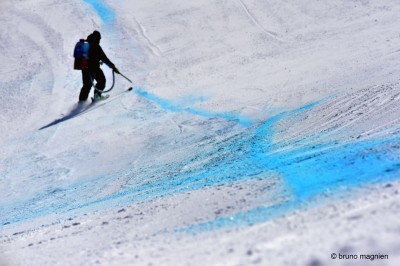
(125, 77)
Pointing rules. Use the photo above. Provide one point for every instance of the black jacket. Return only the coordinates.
(96, 53)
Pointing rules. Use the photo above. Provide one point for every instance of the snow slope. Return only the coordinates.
(257, 132)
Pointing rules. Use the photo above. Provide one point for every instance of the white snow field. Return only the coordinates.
(257, 132)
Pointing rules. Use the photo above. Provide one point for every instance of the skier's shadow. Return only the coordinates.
(77, 110)
(82, 108)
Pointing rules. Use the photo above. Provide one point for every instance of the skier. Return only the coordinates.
(93, 71)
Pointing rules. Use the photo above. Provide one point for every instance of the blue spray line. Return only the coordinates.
(106, 13)
(316, 177)
(174, 107)
(310, 171)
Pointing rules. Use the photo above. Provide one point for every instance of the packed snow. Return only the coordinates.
(256, 132)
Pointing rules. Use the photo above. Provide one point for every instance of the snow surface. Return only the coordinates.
(257, 132)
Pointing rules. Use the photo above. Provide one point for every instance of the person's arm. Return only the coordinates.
(107, 61)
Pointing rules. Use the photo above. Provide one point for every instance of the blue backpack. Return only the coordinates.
(81, 55)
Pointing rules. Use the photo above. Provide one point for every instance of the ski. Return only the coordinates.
(108, 96)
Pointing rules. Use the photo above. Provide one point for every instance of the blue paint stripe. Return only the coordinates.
(105, 12)
(309, 171)
(174, 107)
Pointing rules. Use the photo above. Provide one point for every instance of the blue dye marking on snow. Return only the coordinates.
(313, 174)
(106, 13)
(306, 171)
(309, 171)
(175, 107)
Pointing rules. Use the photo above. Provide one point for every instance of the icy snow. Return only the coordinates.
(257, 132)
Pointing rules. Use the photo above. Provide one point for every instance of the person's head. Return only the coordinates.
(94, 37)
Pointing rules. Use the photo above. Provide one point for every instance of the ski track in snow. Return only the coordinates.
(153, 46)
(255, 21)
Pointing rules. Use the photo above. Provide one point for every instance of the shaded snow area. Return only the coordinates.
(256, 132)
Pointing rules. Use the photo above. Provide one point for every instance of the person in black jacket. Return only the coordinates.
(94, 72)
